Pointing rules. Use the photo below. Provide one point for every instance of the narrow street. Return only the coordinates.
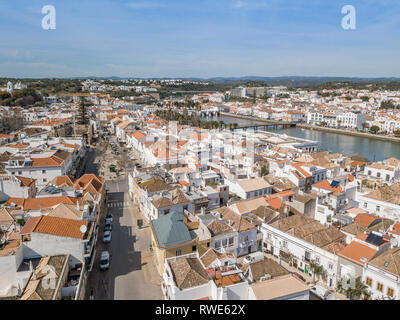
(132, 274)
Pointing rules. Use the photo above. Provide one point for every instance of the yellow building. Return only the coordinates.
(174, 235)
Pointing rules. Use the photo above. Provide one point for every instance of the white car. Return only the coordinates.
(104, 260)
(109, 218)
(107, 237)
(253, 257)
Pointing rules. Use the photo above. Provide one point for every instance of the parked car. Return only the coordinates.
(108, 226)
(109, 218)
(298, 275)
(320, 291)
(253, 257)
(105, 260)
(107, 237)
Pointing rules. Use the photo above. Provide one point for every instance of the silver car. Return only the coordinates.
(107, 237)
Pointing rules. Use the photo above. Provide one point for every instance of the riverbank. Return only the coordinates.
(311, 127)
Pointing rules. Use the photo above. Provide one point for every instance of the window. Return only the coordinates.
(178, 252)
(217, 244)
(390, 292)
(369, 172)
(378, 174)
(365, 204)
(208, 244)
(194, 248)
(307, 256)
(43, 171)
(379, 287)
(246, 238)
(230, 241)
(368, 281)
(19, 172)
(224, 242)
(166, 211)
(378, 208)
(44, 180)
(13, 172)
(185, 208)
(317, 259)
(330, 266)
(268, 236)
(284, 244)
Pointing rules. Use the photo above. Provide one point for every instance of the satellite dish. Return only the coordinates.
(393, 242)
(83, 228)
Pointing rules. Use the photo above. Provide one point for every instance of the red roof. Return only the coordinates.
(325, 184)
(55, 226)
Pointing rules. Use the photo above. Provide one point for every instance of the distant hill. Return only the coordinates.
(289, 81)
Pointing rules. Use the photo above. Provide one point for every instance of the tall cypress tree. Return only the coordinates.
(83, 118)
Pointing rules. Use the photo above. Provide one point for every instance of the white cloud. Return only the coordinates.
(239, 4)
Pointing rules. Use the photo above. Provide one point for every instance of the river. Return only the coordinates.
(375, 150)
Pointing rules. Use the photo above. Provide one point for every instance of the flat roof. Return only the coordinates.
(278, 287)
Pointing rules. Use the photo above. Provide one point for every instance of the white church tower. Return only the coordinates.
(10, 88)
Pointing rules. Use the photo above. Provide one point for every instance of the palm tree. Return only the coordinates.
(316, 269)
(359, 290)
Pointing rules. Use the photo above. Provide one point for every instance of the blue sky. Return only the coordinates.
(202, 38)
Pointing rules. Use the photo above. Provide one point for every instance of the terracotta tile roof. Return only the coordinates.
(327, 186)
(365, 219)
(25, 182)
(309, 230)
(239, 223)
(275, 203)
(211, 256)
(188, 273)
(55, 226)
(47, 162)
(217, 227)
(357, 252)
(386, 194)
(228, 280)
(18, 146)
(246, 206)
(267, 266)
(388, 261)
(139, 135)
(45, 202)
(354, 228)
(395, 229)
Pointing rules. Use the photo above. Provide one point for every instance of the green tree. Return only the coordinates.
(83, 117)
(264, 171)
(396, 133)
(316, 269)
(352, 288)
(374, 129)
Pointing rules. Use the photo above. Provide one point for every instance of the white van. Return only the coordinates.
(320, 291)
(253, 257)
